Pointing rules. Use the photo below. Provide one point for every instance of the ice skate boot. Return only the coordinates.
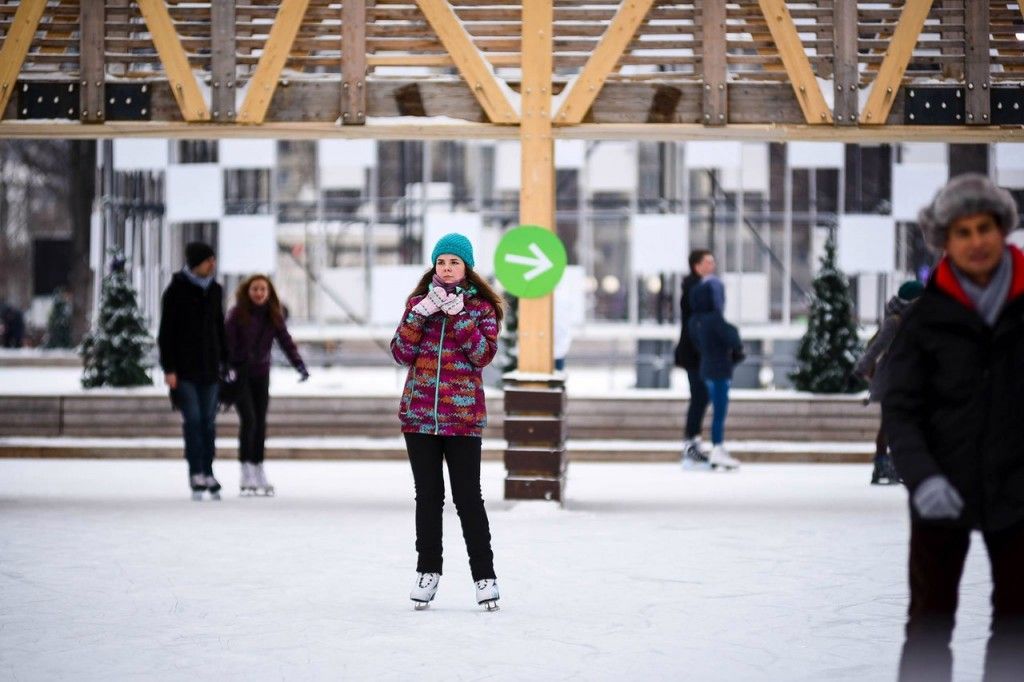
(884, 472)
(263, 486)
(694, 457)
(213, 486)
(424, 590)
(247, 483)
(721, 459)
(198, 484)
(487, 593)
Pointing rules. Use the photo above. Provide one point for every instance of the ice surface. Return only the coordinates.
(778, 572)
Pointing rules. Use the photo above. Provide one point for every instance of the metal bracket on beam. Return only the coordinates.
(48, 100)
(1008, 106)
(934, 106)
(129, 102)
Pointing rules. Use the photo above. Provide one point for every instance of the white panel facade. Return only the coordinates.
(924, 153)
(816, 154)
(746, 297)
(247, 244)
(659, 243)
(613, 167)
(195, 193)
(391, 285)
(247, 153)
(347, 285)
(131, 154)
(1009, 165)
(507, 158)
(867, 243)
(914, 186)
(359, 153)
(439, 224)
(570, 153)
(343, 177)
(713, 154)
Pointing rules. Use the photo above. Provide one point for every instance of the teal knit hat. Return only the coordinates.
(455, 244)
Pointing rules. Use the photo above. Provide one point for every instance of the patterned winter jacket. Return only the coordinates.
(445, 354)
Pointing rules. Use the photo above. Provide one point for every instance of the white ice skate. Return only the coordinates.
(424, 590)
(263, 486)
(213, 487)
(695, 456)
(198, 484)
(721, 459)
(487, 593)
(247, 483)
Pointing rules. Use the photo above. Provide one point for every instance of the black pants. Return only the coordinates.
(937, 555)
(699, 399)
(252, 404)
(462, 453)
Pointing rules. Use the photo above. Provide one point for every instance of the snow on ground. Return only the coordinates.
(778, 572)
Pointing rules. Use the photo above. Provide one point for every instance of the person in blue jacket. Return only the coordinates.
(720, 348)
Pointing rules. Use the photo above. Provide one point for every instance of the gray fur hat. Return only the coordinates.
(964, 195)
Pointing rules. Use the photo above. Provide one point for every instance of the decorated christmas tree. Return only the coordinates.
(58, 325)
(830, 348)
(114, 353)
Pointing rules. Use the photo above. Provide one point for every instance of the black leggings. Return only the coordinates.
(252, 404)
(426, 453)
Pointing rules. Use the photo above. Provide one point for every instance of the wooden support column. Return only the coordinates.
(794, 59)
(716, 107)
(894, 65)
(846, 75)
(534, 398)
(223, 62)
(977, 63)
(353, 62)
(16, 44)
(92, 49)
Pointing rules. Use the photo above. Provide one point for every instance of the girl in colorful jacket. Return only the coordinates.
(448, 334)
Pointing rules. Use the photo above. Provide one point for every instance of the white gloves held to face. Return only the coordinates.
(438, 300)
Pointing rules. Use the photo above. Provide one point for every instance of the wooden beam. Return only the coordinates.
(272, 60)
(476, 71)
(894, 65)
(172, 56)
(16, 44)
(845, 72)
(713, 61)
(601, 62)
(794, 59)
(223, 62)
(952, 37)
(92, 42)
(537, 175)
(977, 63)
(353, 62)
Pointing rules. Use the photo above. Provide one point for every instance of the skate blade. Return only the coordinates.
(420, 605)
(690, 465)
(197, 496)
(491, 605)
(215, 496)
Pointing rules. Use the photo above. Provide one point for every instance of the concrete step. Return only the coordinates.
(342, 448)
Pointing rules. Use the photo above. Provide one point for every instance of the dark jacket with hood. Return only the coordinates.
(686, 355)
(250, 341)
(717, 341)
(872, 364)
(191, 338)
(955, 399)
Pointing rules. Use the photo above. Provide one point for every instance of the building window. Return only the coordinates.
(183, 233)
(342, 204)
(247, 191)
(868, 179)
(194, 151)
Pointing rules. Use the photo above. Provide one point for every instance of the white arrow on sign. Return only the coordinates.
(541, 263)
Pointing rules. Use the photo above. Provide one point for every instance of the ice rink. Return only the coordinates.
(779, 572)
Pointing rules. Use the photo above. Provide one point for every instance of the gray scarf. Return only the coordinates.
(201, 282)
(989, 300)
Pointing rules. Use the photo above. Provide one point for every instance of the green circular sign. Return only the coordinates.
(530, 261)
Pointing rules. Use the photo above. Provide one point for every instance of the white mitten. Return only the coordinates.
(453, 305)
(431, 303)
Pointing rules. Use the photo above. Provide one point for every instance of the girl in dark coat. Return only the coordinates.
(719, 346)
(954, 414)
(251, 327)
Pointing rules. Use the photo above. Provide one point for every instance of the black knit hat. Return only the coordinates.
(196, 253)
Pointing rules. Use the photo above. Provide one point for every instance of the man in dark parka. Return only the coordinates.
(954, 415)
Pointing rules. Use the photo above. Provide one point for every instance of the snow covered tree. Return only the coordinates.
(114, 354)
(830, 348)
(58, 325)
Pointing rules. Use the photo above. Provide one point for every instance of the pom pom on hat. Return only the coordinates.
(455, 244)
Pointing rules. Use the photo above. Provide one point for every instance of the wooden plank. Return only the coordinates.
(714, 67)
(952, 35)
(601, 62)
(977, 63)
(478, 74)
(275, 53)
(537, 174)
(172, 56)
(19, 39)
(353, 62)
(894, 65)
(794, 59)
(92, 41)
(223, 61)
